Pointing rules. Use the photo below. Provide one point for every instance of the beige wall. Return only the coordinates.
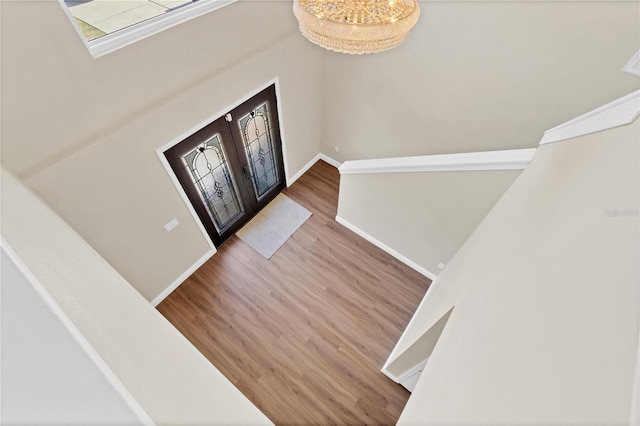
(480, 76)
(546, 318)
(424, 216)
(56, 92)
(83, 132)
(167, 376)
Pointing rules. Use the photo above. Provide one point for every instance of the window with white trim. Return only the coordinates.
(107, 25)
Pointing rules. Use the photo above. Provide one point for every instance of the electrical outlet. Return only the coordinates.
(441, 265)
(336, 148)
(172, 224)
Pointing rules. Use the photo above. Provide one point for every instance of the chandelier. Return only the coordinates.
(356, 26)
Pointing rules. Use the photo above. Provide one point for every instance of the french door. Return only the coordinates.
(232, 167)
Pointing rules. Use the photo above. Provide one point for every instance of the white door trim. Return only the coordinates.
(160, 151)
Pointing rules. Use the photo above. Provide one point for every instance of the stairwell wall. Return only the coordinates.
(546, 290)
(166, 375)
(423, 216)
(82, 132)
(479, 76)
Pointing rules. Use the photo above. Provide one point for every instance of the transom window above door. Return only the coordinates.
(107, 25)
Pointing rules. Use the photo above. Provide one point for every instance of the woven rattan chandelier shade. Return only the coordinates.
(356, 26)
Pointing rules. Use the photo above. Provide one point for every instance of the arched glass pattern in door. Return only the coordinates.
(232, 167)
(257, 139)
(216, 184)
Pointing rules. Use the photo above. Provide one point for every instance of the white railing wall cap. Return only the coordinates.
(514, 159)
(618, 113)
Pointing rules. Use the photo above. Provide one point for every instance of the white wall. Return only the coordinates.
(479, 76)
(48, 374)
(424, 216)
(82, 132)
(546, 290)
(168, 377)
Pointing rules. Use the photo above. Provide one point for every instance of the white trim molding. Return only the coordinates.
(410, 263)
(514, 159)
(183, 195)
(126, 36)
(618, 113)
(633, 66)
(186, 274)
(415, 369)
(329, 160)
(310, 164)
(410, 380)
(160, 151)
(395, 353)
(79, 338)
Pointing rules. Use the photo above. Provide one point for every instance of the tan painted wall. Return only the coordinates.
(424, 216)
(83, 132)
(167, 376)
(546, 290)
(56, 92)
(480, 76)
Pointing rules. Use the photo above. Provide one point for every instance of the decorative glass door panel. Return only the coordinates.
(233, 167)
(215, 182)
(256, 131)
(257, 139)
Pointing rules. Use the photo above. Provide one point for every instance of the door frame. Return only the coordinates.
(167, 167)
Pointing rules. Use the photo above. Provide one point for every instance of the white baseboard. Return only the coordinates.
(167, 291)
(410, 263)
(303, 170)
(407, 374)
(415, 369)
(410, 372)
(389, 375)
(329, 160)
(395, 352)
(310, 164)
(207, 256)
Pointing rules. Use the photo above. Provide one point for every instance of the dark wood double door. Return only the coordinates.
(233, 167)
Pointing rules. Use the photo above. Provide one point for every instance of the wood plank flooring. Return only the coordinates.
(304, 334)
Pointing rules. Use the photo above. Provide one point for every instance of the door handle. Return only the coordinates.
(246, 172)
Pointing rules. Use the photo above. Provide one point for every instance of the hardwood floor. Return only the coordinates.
(304, 334)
